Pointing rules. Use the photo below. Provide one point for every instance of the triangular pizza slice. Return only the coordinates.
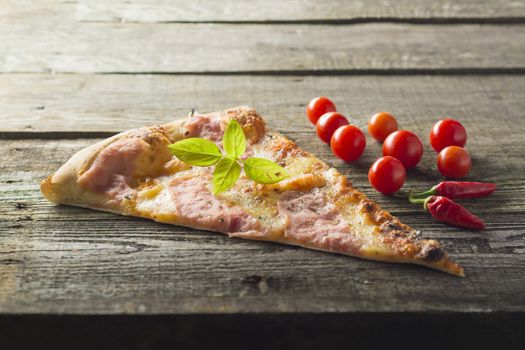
(134, 173)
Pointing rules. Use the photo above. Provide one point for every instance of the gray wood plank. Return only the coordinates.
(60, 44)
(57, 259)
(295, 10)
(86, 104)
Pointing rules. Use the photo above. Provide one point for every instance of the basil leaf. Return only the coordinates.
(234, 141)
(226, 173)
(196, 151)
(264, 171)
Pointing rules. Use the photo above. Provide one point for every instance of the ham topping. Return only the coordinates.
(315, 222)
(203, 126)
(112, 169)
(198, 207)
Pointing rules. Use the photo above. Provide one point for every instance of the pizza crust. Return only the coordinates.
(62, 186)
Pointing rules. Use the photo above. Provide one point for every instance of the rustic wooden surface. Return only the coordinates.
(54, 41)
(73, 72)
(369, 47)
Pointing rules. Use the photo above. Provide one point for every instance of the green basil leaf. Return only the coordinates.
(234, 141)
(226, 173)
(196, 151)
(264, 171)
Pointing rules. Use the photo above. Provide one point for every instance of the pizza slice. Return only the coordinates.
(134, 173)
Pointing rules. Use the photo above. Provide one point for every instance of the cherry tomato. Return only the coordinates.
(317, 107)
(381, 125)
(328, 124)
(405, 146)
(348, 143)
(387, 175)
(447, 132)
(453, 162)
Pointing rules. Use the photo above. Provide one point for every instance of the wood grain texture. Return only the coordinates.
(292, 11)
(56, 259)
(62, 45)
(90, 104)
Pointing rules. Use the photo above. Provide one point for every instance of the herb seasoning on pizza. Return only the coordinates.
(188, 173)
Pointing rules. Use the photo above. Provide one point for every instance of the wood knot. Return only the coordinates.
(256, 284)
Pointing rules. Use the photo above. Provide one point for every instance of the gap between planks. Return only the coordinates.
(350, 21)
(99, 105)
(472, 71)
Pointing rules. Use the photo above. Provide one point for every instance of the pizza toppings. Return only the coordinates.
(196, 206)
(313, 221)
(300, 182)
(203, 126)
(113, 168)
(252, 123)
(203, 152)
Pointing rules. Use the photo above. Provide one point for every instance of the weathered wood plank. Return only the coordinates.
(82, 268)
(63, 45)
(106, 266)
(54, 41)
(84, 104)
(295, 10)
(56, 259)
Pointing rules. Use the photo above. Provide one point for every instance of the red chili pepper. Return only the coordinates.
(446, 210)
(458, 189)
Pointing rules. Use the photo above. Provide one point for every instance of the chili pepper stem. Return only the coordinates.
(425, 194)
(423, 201)
(411, 199)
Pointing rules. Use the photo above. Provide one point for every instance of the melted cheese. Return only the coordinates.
(183, 196)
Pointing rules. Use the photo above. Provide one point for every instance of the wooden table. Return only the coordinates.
(73, 72)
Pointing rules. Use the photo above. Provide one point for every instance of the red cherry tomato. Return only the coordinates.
(317, 107)
(328, 124)
(387, 175)
(381, 125)
(447, 132)
(454, 162)
(348, 143)
(405, 146)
